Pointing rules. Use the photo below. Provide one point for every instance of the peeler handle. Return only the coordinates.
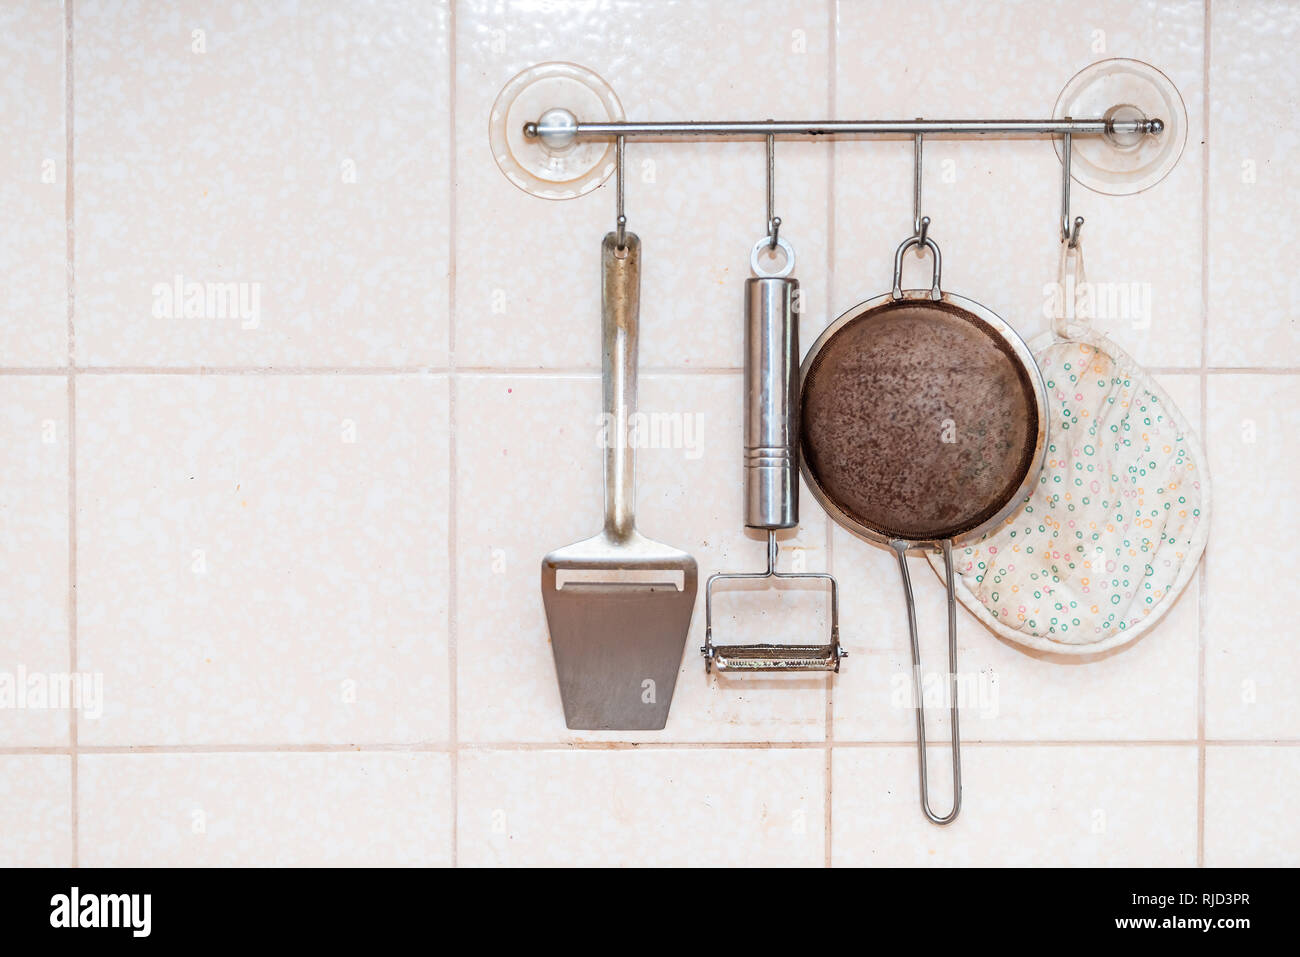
(771, 403)
(620, 293)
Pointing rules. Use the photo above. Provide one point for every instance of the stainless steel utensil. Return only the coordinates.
(923, 423)
(618, 605)
(771, 464)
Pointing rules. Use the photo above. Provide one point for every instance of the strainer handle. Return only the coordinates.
(900, 549)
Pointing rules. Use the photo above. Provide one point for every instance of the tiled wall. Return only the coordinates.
(301, 547)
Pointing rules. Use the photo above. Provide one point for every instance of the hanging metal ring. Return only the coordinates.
(756, 265)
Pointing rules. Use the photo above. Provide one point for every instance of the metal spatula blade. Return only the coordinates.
(618, 604)
(619, 630)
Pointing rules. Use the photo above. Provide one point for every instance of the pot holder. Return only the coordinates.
(1117, 522)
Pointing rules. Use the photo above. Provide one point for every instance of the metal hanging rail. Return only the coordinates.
(561, 125)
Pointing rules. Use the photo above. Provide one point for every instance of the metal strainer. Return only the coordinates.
(923, 422)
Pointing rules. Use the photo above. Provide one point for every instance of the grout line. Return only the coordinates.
(1202, 599)
(262, 370)
(832, 26)
(829, 828)
(595, 370)
(72, 608)
(120, 749)
(123, 750)
(1057, 743)
(644, 746)
(823, 745)
(69, 116)
(453, 670)
(426, 747)
(352, 370)
(533, 372)
(1247, 370)
(1252, 743)
(557, 371)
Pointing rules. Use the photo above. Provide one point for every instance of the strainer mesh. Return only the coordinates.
(918, 420)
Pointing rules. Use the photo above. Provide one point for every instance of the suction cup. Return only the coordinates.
(1123, 163)
(553, 165)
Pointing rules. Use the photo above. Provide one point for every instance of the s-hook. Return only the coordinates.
(920, 237)
(773, 220)
(621, 221)
(1069, 231)
(920, 224)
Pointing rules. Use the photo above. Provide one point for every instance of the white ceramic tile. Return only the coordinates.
(1021, 806)
(263, 559)
(657, 808)
(1251, 666)
(340, 809)
(1252, 811)
(995, 205)
(34, 652)
(298, 150)
(527, 283)
(33, 186)
(1145, 691)
(529, 467)
(35, 810)
(1254, 118)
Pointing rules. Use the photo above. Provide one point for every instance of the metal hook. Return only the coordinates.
(773, 221)
(1069, 232)
(920, 224)
(621, 220)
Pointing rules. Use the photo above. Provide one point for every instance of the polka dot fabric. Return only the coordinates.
(1117, 522)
